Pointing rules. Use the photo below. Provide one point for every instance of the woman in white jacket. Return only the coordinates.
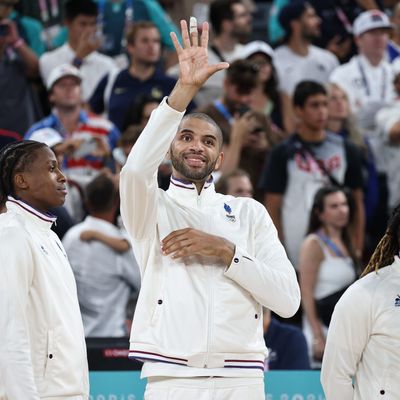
(362, 352)
(42, 346)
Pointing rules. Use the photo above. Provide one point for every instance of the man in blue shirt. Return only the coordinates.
(117, 92)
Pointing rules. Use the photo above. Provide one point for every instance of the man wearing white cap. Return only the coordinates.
(87, 139)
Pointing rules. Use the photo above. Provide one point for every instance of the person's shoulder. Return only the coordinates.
(46, 122)
(331, 137)
(323, 53)
(103, 59)
(281, 51)
(54, 54)
(12, 229)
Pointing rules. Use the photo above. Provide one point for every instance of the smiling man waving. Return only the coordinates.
(208, 262)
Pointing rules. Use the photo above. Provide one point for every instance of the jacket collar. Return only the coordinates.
(185, 192)
(43, 220)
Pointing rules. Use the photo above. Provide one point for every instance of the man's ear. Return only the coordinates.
(20, 182)
(219, 161)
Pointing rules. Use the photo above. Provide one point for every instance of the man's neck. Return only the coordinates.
(373, 60)
(311, 135)
(105, 216)
(141, 71)
(299, 45)
(225, 42)
(332, 232)
(69, 118)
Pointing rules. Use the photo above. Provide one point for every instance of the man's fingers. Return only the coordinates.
(176, 43)
(194, 33)
(204, 35)
(212, 69)
(185, 35)
(174, 234)
(177, 245)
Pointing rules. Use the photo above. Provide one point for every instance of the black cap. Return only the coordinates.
(292, 11)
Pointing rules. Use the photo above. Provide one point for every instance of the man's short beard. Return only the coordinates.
(192, 174)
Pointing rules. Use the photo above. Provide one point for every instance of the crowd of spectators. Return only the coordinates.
(309, 112)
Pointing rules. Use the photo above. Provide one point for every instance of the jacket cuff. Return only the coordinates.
(239, 261)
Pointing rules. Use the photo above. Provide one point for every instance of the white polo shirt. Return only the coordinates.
(293, 68)
(93, 68)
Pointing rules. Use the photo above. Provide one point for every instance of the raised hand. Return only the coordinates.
(193, 60)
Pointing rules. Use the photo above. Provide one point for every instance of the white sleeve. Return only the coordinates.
(268, 275)
(386, 118)
(138, 179)
(17, 271)
(348, 334)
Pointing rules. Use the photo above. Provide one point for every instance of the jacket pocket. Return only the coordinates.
(49, 353)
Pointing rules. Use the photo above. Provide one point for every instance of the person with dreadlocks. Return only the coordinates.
(362, 352)
(42, 347)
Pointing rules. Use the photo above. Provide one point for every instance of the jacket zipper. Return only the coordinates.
(210, 304)
(210, 313)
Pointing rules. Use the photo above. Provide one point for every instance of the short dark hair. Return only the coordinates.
(242, 74)
(291, 12)
(221, 10)
(101, 194)
(306, 89)
(223, 182)
(73, 8)
(137, 26)
(16, 157)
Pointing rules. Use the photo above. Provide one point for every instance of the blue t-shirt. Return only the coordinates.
(287, 347)
(125, 91)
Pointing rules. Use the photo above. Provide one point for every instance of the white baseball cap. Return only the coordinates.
(257, 46)
(368, 20)
(47, 136)
(60, 72)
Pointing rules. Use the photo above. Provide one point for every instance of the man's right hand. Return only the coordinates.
(193, 65)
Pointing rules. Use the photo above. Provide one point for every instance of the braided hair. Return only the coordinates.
(15, 157)
(387, 247)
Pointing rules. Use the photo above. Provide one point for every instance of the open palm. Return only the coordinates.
(193, 59)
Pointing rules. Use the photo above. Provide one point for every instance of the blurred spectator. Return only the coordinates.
(81, 49)
(118, 16)
(236, 183)
(287, 346)
(51, 15)
(18, 63)
(342, 122)
(388, 122)
(265, 97)
(298, 59)
(88, 140)
(367, 78)
(249, 142)
(125, 144)
(28, 28)
(231, 22)
(327, 264)
(116, 92)
(306, 161)
(104, 266)
(241, 79)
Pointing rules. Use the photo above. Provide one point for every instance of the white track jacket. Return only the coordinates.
(195, 312)
(42, 345)
(363, 342)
